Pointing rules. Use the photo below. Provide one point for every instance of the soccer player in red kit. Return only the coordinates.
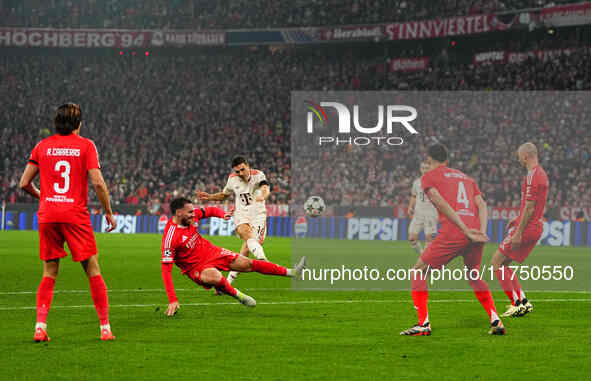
(201, 261)
(464, 216)
(64, 162)
(524, 231)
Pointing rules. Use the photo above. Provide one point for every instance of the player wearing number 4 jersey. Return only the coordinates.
(64, 162)
(524, 231)
(250, 189)
(201, 261)
(464, 216)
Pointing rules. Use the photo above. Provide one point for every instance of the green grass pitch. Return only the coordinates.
(336, 335)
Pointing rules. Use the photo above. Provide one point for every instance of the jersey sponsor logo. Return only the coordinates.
(63, 152)
(184, 238)
(58, 198)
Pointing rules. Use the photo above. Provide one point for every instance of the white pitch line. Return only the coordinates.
(147, 290)
(361, 301)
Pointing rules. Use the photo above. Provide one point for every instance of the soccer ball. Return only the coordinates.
(314, 206)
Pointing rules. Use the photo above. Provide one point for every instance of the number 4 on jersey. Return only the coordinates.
(462, 196)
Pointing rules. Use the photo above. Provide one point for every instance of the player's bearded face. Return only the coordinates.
(186, 215)
(242, 170)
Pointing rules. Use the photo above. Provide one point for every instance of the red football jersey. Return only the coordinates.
(184, 246)
(459, 190)
(63, 163)
(534, 188)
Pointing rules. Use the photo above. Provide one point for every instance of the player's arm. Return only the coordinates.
(26, 183)
(482, 212)
(528, 212)
(204, 196)
(102, 192)
(173, 302)
(445, 209)
(211, 211)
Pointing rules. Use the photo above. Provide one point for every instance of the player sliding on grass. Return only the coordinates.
(524, 231)
(201, 261)
(464, 216)
(64, 162)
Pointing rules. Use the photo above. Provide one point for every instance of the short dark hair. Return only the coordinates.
(237, 160)
(67, 118)
(438, 152)
(178, 203)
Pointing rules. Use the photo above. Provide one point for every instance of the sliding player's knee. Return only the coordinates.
(210, 277)
(242, 264)
(413, 237)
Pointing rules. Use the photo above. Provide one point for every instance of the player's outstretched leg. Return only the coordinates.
(44, 297)
(246, 234)
(245, 265)
(420, 297)
(212, 277)
(98, 291)
(508, 280)
(485, 298)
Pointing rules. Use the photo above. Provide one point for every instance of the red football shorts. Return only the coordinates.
(80, 240)
(529, 240)
(442, 250)
(220, 260)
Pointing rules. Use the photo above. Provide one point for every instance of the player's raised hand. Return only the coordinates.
(111, 222)
(476, 236)
(203, 196)
(172, 309)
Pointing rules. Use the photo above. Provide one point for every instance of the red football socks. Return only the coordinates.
(224, 286)
(485, 298)
(44, 297)
(98, 290)
(504, 275)
(420, 297)
(268, 268)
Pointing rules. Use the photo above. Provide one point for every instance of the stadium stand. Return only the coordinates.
(169, 125)
(204, 14)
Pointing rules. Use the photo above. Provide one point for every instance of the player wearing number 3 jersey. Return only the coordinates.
(64, 162)
(464, 217)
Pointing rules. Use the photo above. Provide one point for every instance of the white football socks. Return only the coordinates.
(416, 245)
(256, 249)
(43, 326)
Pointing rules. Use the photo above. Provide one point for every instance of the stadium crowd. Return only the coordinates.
(170, 125)
(207, 14)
